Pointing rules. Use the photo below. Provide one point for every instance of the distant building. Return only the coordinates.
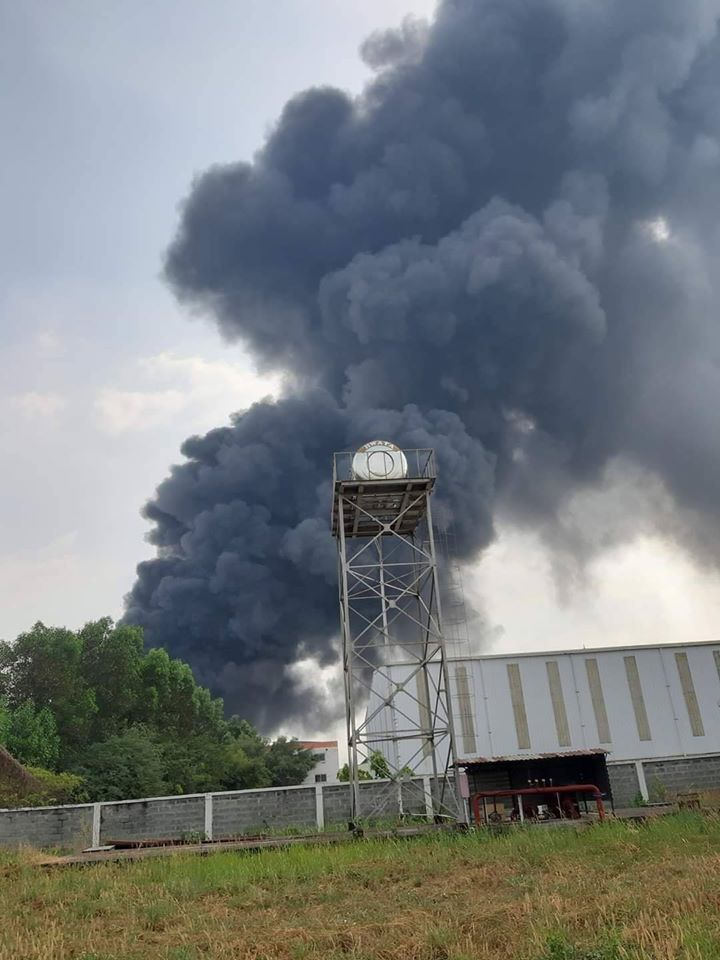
(326, 769)
(641, 721)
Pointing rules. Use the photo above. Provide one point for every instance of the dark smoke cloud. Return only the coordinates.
(505, 249)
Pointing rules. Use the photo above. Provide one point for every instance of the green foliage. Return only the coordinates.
(32, 736)
(128, 722)
(658, 791)
(200, 764)
(56, 788)
(49, 788)
(379, 766)
(110, 661)
(288, 762)
(5, 719)
(344, 774)
(558, 947)
(44, 666)
(169, 694)
(379, 769)
(126, 765)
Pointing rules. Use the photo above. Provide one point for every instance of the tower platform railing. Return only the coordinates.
(420, 463)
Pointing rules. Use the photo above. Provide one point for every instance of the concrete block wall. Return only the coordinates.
(658, 780)
(681, 774)
(254, 811)
(47, 827)
(336, 804)
(624, 783)
(213, 815)
(152, 819)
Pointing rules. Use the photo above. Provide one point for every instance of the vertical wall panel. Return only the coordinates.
(466, 711)
(716, 654)
(558, 703)
(636, 696)
(598, 701)
(518, 705)
(688, 689)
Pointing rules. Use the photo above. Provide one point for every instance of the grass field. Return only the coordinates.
(611, 892)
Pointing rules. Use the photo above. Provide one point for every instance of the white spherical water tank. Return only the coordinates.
(379, 460)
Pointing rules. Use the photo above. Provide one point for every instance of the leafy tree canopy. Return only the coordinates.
(129, 722)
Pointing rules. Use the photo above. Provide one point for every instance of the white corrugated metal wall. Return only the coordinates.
(636, 702)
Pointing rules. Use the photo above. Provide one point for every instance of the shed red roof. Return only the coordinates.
(317, 744)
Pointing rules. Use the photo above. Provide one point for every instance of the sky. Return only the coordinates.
(108, 112)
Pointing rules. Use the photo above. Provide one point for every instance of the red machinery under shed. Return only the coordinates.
(537, 787)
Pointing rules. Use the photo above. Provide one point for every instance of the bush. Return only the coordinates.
(52, 788)
(57, 788)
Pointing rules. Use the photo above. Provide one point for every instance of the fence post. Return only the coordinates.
(319, 808)
(429, 813)
(208, 816)
(96, 824)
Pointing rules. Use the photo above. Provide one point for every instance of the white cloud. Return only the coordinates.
(36, 405)
(204, 391)
(658, 229)
(122, 410)
(645, 591)
(48, 343)
(208, 379)
(35, 584)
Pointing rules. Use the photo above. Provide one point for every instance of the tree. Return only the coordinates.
(44, 666)
(379, 769)
(344, 774)
(110, 661)
(379, 766)
(289, 762)
(132, 722)
(124, 766)
(170, 699)
(32, 736)
(247, 736)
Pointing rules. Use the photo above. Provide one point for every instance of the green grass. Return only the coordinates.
(614, 892)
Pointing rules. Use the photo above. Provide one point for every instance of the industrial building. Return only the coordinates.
(637, 721)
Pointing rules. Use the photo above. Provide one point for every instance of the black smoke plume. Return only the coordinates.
(505, 248)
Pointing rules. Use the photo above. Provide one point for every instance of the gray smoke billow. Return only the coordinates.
(505, 248)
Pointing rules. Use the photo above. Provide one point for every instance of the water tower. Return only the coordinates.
(397, 690)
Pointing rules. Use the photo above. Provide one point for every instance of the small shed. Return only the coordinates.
(541, 770)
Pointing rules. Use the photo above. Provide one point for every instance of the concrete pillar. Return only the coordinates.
(319, 808)
(208, 816)
(97, 814)
(642, 783)
(427, 788)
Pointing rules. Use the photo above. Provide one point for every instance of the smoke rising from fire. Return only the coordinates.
(504, 249)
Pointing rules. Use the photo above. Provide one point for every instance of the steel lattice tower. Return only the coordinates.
(394, 658)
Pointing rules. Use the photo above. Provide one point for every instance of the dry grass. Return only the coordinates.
(611, 893)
